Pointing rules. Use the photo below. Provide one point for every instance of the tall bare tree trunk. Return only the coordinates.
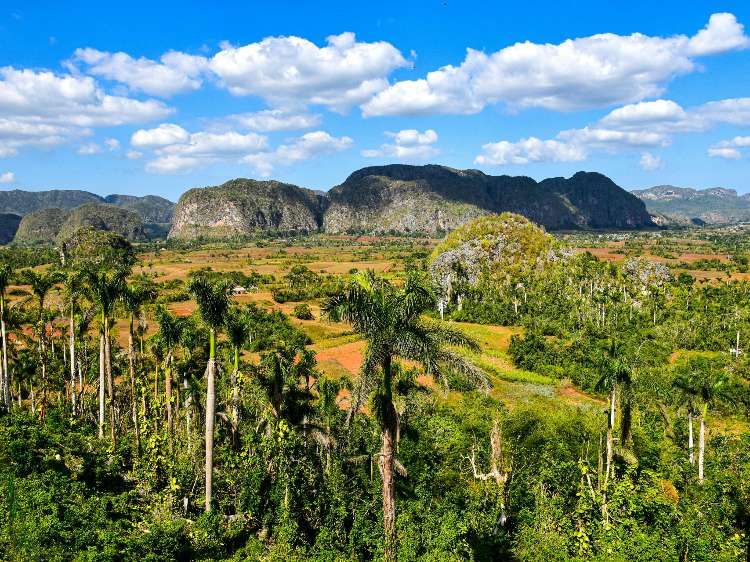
(110, 383)
(702, 446)
(168, 397)
(386, 466)
(73, 390)
(133, 396)
(5, 372)
(210, 413)
(101, 384)
(690, 438)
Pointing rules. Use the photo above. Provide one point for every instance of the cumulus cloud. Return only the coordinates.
(722, 33)
(309, 145)
(7, 177)
(44, 109)
(133, 154)
(174, 73)
(112, 144)
(588, 72)
(408, 144)
(529, 150)
(729, 149)
(89, 149)
(650, 124)
(164, 134)
(649, 162)
(204, 148)
(292, 71)
(271, 120)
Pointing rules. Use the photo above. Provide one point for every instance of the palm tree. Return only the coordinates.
(615, 371)
(213, 303)
(105, 287)
(239, 334)
(170, 330)
(73, 280)
(390, 319)
(41, 283)
(6, 273)
(134, 296)
(704, 386)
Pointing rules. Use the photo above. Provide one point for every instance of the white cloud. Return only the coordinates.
(43, 109)
(133, 154)
(529, 150)
(174, 164)
(271, 120)
(203, 148)
(205, 143)
(164, 134)
(650, 124)
(305, 147)
(69, 100)
(650, 162)
(722, 33)
(112, 144)
(729, 149)
(89, 149)
(292, 71)
(408, 144)
(175, 72)
(724, 152)
(587, 72)
(7, 177)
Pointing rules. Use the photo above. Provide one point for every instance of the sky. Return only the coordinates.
(159, 97)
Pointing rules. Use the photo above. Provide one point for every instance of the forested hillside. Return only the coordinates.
(498, 395)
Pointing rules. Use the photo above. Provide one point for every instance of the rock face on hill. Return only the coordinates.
(50, 225)
(152, 209)
(684, 205)
(433, 198)
(8, 226)
(243, 206)
(40, 227)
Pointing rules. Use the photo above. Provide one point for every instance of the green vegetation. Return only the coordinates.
(525, 402)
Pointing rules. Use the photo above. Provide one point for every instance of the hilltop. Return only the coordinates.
(684, 205)
(406, 199)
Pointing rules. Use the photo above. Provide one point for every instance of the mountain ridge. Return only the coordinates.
(403, 198)
(686, 205)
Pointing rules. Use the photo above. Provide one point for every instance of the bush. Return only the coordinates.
(303, 312)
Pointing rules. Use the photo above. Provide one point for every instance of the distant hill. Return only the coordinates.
(52, 225)
(244, 206)
(434, 198)
(684, 205)
(152, 209)
(401, 198)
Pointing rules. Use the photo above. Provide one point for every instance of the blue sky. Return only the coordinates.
(159, 97)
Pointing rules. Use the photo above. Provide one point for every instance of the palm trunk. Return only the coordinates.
(168, 397)
(702, 446)
(110, 382)
(101, 384)
(210, 406)
(73, 390)
(690, 438)
(5, 372)
(133, 396)
(610, 435)
(235, 396)
(386, 466)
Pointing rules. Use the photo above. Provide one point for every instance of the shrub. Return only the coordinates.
(303, 312)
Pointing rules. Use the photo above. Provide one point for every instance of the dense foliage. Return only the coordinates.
(628, 441)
